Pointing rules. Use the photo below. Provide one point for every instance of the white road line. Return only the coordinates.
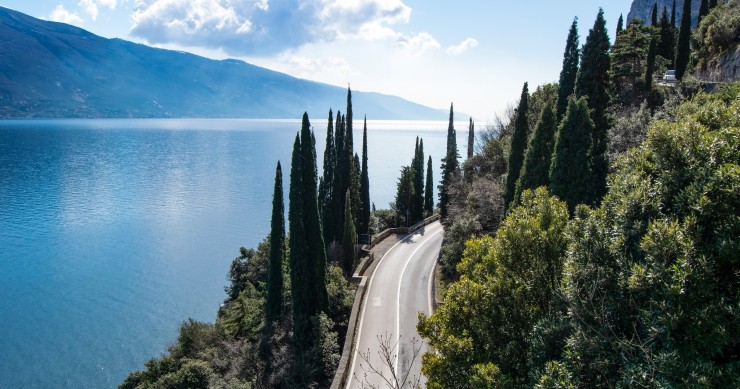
(398, 302)
(429, 288)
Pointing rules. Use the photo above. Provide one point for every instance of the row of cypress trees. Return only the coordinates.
(414, 191)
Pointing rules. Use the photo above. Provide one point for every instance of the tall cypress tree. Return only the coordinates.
(593, 81)
(450, 167)
(405, 195)
(536, 169)
(620, 25)
(349, 239)
(650, 67)
(518, 147)
(712, 4)
(683, 48)
(429, 190)
(703, 10)
(654, 15)
(417, 165)
(673, 14)
(568, 74)
(274, 299)
(471, 138)
(570, 172)
(364, 185)
(326, 185)
(667, 45)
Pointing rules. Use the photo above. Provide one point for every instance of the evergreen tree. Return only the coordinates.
(712, 4)
(450, 167)
(683, 48)
(570, 172)
(536, 169)
(650, 68)
(667, 45)
(703, 10)
(428, 191)
(404, 195)
(471, 138)
(274, 299)
(593, 81)
(364, 185)
(654, 15)
(568, 74)
(355, 190)
(417, 203)
(327, 183)
(298, 254)
(518, 148)
(673, 15)
(349, 240)
(620, 25)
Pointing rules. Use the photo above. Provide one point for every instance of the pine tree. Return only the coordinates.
(654, 15)
(683, 48)
(349, 239)
(570, 174)
(364, 185)
(620, 25)
(650, 67)
(703, 10)
(536, 169)
(450, 167)
(471, 138)
(327, 182)
(568, 74)
(667, 45)
(274, 299)
(593, 81)
(518, 147)
(429, 190)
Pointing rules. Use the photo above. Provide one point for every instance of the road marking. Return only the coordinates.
(398, 302)
(429, 289)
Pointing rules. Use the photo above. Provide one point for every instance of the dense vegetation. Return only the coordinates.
(573, 283)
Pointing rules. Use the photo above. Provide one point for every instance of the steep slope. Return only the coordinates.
(50, 69)
(643, 9)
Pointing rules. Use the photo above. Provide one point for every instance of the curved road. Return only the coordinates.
(398, 290)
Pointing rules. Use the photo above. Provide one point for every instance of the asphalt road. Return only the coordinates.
(398, 290)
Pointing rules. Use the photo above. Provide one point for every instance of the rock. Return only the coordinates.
(643, 9)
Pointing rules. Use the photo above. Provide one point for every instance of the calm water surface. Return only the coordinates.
(112, 232)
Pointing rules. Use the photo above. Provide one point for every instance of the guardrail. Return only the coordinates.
(349, 341)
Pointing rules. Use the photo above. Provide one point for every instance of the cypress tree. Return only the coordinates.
(712, 4)
(703, 10)
(298, 254)
(650, 67)
(339, 179)
(570, 174)
(536, 169)
(355, 190)
(274, 299)
(518, 147)
(349, 239)
(673, 14)
(683, 48)
(654, 15)
(405, 195)
(429, 190)
(593, 81)
(471, 138)
(417, 165)
(620, 25)
(568, 74)
(449, 167)
(364, 185)
(667, 45)
(327, 182)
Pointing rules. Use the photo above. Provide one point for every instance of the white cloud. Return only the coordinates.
(419, 43)
(90, 7)
(464, 46)
(260, 27)
(60, 14)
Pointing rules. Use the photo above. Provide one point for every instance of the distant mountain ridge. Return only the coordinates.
(643, 9)
(54, 70)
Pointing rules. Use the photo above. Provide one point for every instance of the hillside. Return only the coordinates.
(52, 70)
(643, 9)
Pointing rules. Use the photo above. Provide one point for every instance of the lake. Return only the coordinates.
(113, 232)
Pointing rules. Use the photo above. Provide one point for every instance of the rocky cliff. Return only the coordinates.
(643, 9)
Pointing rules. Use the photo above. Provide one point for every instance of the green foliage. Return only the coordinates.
(248, 269)
(274, 299)
(364, 185)
(654, 15)
(650, 67)
(629, 63)
(703, 9)
(383, 219)
(404, 195)
(507, 284)
(471, 138)
(667, 46)
(593, 81)
(429, 190)
(570, 172)
(327, 185)
(569, 72)
(620, 25)
(518, 148)
(450, 167)
(417, 200)
(536, 169)
(683, 47)
(717, 34)
(349, 240)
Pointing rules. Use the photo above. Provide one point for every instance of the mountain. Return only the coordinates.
(643, 9)
(53, 70)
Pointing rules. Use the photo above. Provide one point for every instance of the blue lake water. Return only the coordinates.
(113, 232)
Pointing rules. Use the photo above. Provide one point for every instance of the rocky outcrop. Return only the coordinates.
(643, 9)
(725, 69)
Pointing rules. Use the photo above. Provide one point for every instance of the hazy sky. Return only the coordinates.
(475, 53)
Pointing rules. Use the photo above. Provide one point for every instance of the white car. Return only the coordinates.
(669, 76)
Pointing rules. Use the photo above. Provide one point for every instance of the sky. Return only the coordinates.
(474, 53)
